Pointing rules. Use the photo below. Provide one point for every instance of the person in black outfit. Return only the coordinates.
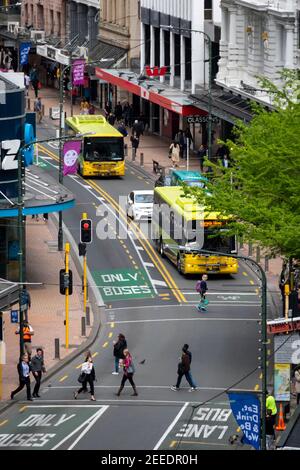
(37, 369)
(23, 368)
(183, 370)
(119, 347)
(270, 432)
(118, 111)
(88, 371)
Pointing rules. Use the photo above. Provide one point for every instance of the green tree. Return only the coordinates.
(261, 189)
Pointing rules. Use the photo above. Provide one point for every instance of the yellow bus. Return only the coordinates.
(181, 228)
(102, 152)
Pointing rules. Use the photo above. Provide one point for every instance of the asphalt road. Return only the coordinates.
(154, 306)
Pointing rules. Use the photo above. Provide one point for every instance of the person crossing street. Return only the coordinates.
(201, 288)
(24, 377)
(183, 369)
(37, 369)
(119, 347)
(129, 371)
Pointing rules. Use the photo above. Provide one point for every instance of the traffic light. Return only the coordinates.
(86, 231)
(65, 281)
(82, 249)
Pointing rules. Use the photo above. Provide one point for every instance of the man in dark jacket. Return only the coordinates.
(37, 368)
(24, 377)
(183, 370)
(119, 347)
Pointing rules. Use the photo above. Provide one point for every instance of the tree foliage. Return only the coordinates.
(261, 189)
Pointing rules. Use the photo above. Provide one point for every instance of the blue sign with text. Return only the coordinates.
(24, 52)
(246, 410)
(14, 316)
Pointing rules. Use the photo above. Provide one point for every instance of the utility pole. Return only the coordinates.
(67, 251)
(61, 176)
(84, 216)
(21, 245)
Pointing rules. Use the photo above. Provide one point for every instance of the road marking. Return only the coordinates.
(159, 283)
(222, 293)
(169, 429)
(257, 291)
(269, 352)
(110, 334)
(164, 295)
(78, 367)
(3, 422)
(23, 408)
(166, 298)
(95, 354)
(63, 378)
(112, 325)
(130, 257)
(149, 265)
(251, 282)
(105, 344)
(230, 302)
(256, 387)
(157, 387)
(90, 421)
(157, 320)
(172, 444)
(203, 443)
(244, 273)
(140, 248)
(186, 305)
(261, 376)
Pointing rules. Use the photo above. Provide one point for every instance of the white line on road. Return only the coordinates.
(96, 417)
(167, 387)
(171, 426)
(140, 248)
(158, 283)
(157, 320)
(226, 302)
(222, 293)
(174, 305)
(149, 265)
(64, 406)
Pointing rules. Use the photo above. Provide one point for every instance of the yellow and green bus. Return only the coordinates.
(102, 152)
(181, 228)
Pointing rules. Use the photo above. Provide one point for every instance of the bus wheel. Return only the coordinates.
(179, 267)
(161, 248)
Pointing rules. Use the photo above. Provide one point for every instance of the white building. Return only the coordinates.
(258, 38)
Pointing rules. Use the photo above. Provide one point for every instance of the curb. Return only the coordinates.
(141, 170)
(98, 308)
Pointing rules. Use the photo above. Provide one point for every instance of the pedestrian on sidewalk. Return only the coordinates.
(38, 109)
(270, 431)
(271, 405)
(122, 129)
(188, 352)
(45, 217)
(201, 288)
(91, 109)
(183, 369)
(84, 106)
(180, 140)
(27, 334)
(118, 111)
(37, 369)
(111, 119)
(27, 83)
(135, 141)
(34, 79)
(129, 371)
(23, 368)
(188, 135)
(119, 347)
(87, 376)
(126, 113)
(174, 153)
(297, 384)
(202, 154)
(26, 300)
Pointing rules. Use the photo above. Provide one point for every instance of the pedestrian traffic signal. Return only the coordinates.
(86, 231)
(82, 249)
(65, 281)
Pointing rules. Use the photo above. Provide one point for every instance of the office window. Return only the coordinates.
(208, 9)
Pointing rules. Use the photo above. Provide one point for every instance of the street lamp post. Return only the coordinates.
(263, 335)
(209, 41)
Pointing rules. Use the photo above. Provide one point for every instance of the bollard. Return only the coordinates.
(125, 150)
(257, 254)
(56, 348)
(141, 159)
(250, 249)
(267, 263)
(87, 316)
(133, 150)
(83, 331)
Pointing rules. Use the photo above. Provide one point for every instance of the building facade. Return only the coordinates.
(48, 16)
(259, 38)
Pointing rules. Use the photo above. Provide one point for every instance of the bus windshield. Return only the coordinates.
(103, 149)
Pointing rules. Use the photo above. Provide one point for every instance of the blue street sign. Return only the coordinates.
(14, 316)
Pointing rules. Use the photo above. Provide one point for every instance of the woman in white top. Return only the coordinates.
(88, 370)
(174, 153)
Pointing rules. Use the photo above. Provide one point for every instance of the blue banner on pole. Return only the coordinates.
(24, 52)
(246, 410)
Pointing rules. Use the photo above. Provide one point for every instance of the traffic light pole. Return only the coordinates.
(84, 216)
(67, 251)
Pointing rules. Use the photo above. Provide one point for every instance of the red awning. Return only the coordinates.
(183, 106)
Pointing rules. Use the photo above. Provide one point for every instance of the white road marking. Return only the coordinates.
(140, 248)
(171, 426)
(177, 305)
(64, 406)
(91, 419)
(156, 320)
(227, 302)
(149, 265)
(217, 389)
(159, 283)
(222, 293)
(96, 417)
(45, 158)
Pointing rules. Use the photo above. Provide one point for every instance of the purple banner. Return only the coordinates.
(78, 72)
(71, 151)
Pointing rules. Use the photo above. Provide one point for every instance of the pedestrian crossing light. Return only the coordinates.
(85, 231)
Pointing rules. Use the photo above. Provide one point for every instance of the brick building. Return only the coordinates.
(48, 16)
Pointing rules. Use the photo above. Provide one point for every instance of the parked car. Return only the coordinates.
(140, 205)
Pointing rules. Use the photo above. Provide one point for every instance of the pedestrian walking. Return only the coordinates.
(84, 106)
(270, 431)
(34, 80)
(126, 113)
(26, 302)
(107, 109)
(87, 376)
(38, 109)
(201, 288)
(129, 371)
(174, 153)
(135, 141)
(91, 109)
(202, 154)
(122, 129)
(23, 368)
(111, 119)
(271, 405)
(27, 334)
(297, 384)
(188, 352)
(137, 128)
(119, 347)
(37, 369)
(27, 83)
(118, 111)
(183, 369)
(45, 217)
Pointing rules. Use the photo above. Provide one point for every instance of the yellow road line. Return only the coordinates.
(78, 367)
(166, 298)
(23, 408)
(144, 242)
(105, 344)
(112, 325)
(261, 376)
(251, 282)
(269, 352)
(130, 257)
(172, 444)
(63, 378)
(256, 387)
(164, 295)
(244, 273)
(257, 291)
(3, 422)
(95, 354)
(110, 334)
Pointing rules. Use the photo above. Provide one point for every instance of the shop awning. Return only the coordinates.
(43, 194)
(106, 53)
(9, 293)
(151, 90)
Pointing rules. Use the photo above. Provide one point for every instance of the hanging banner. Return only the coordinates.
(282, 382)
(71, 151)
(24, 52)
(246, 410)
(78, 72)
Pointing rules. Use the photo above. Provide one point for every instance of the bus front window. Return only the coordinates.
(103, 150)
(219, 242)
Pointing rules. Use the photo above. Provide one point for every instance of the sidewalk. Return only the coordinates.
(47, 313)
